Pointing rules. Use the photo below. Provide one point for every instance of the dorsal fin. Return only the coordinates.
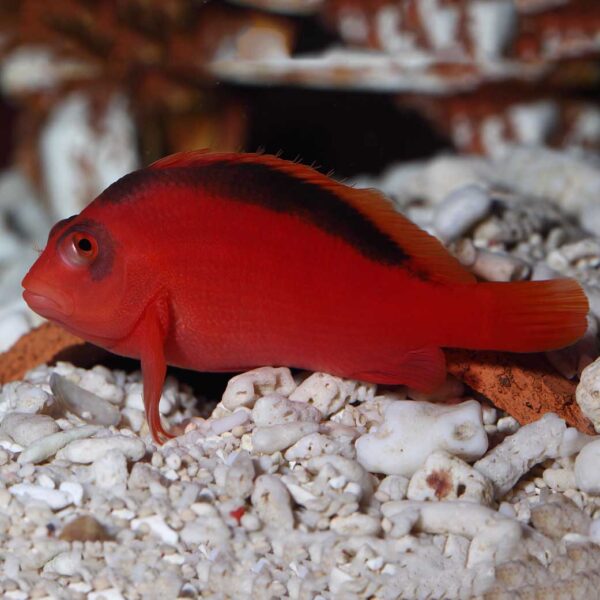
(426, 252)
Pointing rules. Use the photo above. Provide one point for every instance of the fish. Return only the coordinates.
(223, 262)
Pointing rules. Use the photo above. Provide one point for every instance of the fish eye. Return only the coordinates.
(79, 249)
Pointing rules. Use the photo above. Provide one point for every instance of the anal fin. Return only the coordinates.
(422, 369)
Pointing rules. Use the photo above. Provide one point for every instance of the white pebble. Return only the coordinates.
(239, 478)
(594, 531)
(314, 444)
(350, 469)
(86, 405)
(587, 473)
(356, 524)
(392, 487)
(275, 409)
(587, 393)
(329, 394)
(271, 501)
(560, 480)
(110, 470)
(65, 563)
(55, 499)
(30, 398)
(47, 446)
(107, 594)
(412, 430)
(208, 529)
(25, 428)
(279, 437)
(74, 489)
(246, 388)
(89, 450)
(157, 525)
(497, 266)
(460, 210)
(530, 445)
(495, 538)
(228, 422)
(446, 477)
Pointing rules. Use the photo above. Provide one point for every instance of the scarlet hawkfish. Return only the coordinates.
(224, 262)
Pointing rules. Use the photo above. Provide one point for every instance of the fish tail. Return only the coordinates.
(527, 316)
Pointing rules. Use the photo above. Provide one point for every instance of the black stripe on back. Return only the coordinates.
(275, 190)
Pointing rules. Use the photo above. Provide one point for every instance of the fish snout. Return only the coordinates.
(45, 299)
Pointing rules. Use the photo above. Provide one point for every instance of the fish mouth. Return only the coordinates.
(46, 300)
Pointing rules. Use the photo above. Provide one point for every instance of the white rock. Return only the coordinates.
(246, 388)
(279, 437)
(239, 479)
(88, 450)
(25, 428)
(587, 393)
(315, 444)
(594, 531)
(88, 406)
(74, 489)
(587, 471)
(350, 469)
(460, 210)
(392, 487)
(227, 422)
(107, 594)
(498, 266)
(329, 394)
(402, 523)
(560, 480)
(530, 445)
(65, 563)
(356, 524)
(445, 477)
(110, 470)
(55, 499)
(573, 441)
(271, 501)
(23, 397)
(495, 538)
(135, 418)
(275, 409)
(47, 446)
(209, 530)
(411, 431)
(157, 525)
(337, 580)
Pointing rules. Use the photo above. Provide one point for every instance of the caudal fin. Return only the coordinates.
(530, 316)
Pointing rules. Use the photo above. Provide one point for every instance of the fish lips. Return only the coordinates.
(46, 300)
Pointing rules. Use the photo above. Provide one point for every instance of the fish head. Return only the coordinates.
(85, 279)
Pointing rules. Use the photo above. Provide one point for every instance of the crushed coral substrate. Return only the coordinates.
(308, 486)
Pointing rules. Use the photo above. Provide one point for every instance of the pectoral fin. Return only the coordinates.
(153, 329)
(423, 369)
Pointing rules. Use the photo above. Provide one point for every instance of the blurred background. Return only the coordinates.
(92, 89)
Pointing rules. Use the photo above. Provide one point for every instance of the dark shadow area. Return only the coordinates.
(8, 115)
(349, 133)
(205, 385)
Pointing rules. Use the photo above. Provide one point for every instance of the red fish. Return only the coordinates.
(224, 262)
